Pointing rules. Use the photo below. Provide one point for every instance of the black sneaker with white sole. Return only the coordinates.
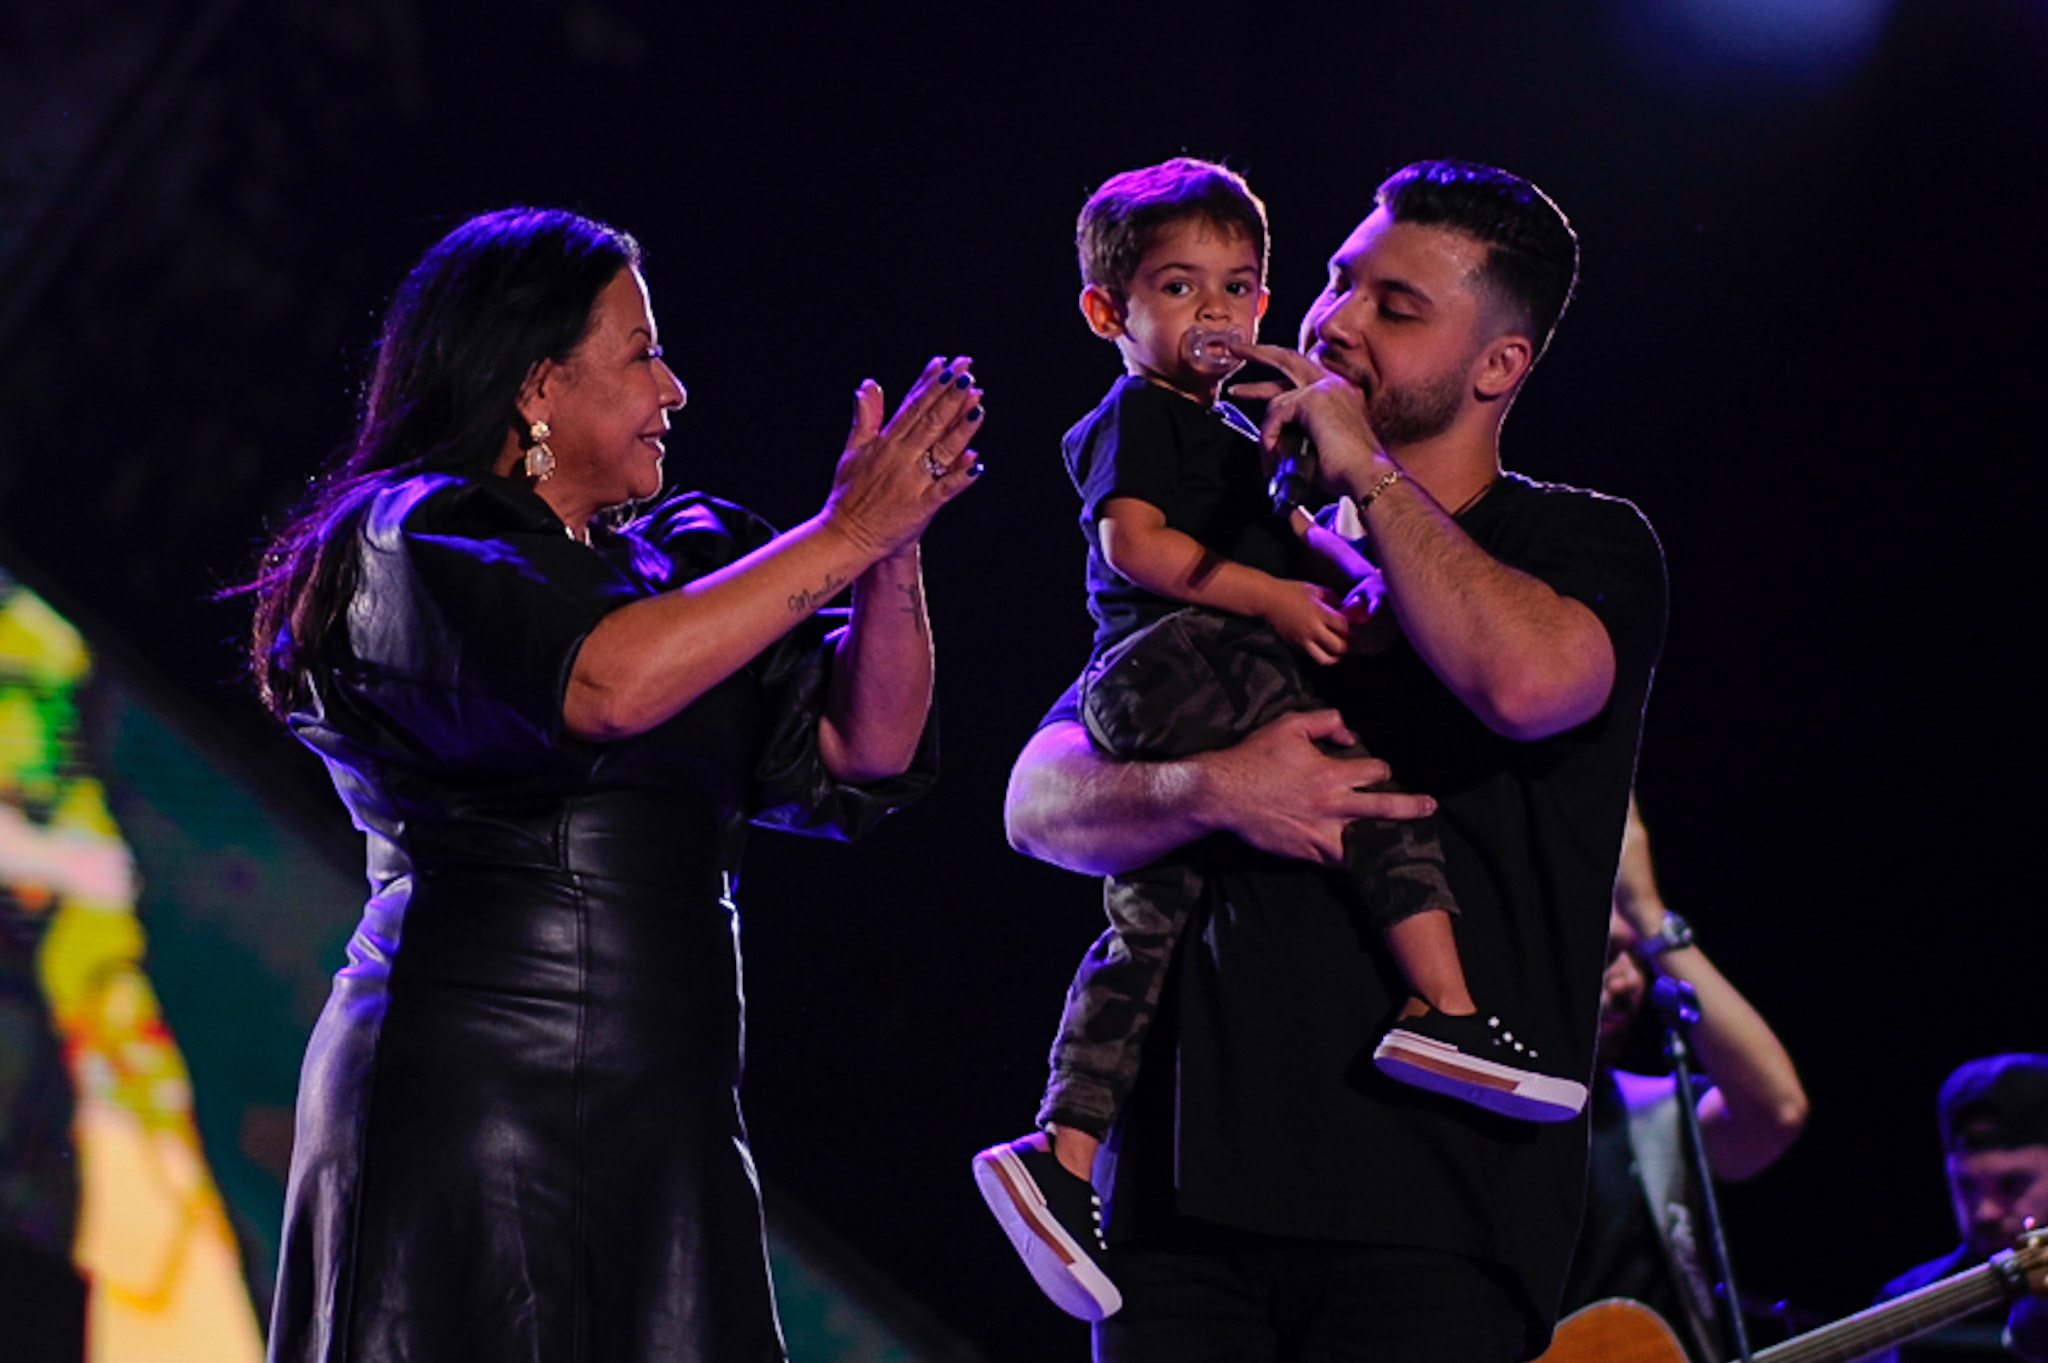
(1479, 1059)
(1053, 1219)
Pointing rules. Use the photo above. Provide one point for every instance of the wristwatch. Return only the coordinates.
(1672, 935)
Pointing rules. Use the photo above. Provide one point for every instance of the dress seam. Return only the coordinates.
(581, 1319)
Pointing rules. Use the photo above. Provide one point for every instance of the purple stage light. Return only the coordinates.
(1810, 39)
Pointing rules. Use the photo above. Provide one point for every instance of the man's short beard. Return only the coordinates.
(1413, 413)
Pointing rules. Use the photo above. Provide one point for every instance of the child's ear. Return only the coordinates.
(1265, 297)
(1104, 311)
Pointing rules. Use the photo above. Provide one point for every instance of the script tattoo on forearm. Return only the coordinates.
(913, 604)
(806, 601)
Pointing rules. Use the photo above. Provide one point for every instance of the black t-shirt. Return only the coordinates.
(1199, 465)
(1258, 1104)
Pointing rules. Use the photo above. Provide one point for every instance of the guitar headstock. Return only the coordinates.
(2025, 1265)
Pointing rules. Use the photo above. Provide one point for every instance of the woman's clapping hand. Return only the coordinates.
(895, 475)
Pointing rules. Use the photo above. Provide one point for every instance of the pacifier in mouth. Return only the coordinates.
(1208, 349)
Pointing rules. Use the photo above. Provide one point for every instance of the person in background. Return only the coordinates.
(1644, 1237)
(1994, 1132)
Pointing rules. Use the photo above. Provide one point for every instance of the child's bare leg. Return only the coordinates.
(1426, 949)
(1074, 1149)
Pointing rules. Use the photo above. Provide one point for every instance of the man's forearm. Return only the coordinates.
(1527, 660)
(1757, 1105)
(1070, 805)
(1277, 789)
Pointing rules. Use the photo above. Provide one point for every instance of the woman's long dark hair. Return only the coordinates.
(489, 301)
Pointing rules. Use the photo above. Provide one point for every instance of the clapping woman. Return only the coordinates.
(518, 1132)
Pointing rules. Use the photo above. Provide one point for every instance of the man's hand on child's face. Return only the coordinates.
(1296, 371)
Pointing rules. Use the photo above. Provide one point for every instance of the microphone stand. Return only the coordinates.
(1678, 1004)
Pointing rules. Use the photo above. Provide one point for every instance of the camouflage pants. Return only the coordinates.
(1195, 680)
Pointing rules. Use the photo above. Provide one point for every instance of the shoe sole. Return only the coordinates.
(1061, 1268)
(1425, 1064)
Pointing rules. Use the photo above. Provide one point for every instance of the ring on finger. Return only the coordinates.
(933, 465)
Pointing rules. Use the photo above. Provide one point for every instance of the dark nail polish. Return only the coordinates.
(978, 469)
(965, 380)
(976, 414)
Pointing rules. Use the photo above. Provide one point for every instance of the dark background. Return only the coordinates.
(1809, 344)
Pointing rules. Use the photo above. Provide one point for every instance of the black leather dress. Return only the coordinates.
(519, 1135)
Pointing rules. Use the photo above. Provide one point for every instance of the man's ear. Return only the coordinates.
(1104, 311)
(1501, 366)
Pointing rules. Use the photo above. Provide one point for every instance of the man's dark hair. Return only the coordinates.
(1997, 1102)
(1121, 219)
(1532, 263)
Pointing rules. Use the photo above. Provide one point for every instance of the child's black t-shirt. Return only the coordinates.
(1199, 465)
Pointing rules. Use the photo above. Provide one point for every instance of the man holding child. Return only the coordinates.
(1268, 1190)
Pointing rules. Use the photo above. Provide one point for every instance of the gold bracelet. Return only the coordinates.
(1386, 481)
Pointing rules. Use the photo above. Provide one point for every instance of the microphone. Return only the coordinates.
(1294, 479)
(1676, 1001)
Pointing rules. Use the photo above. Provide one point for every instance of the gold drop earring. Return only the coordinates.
(540, 460)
